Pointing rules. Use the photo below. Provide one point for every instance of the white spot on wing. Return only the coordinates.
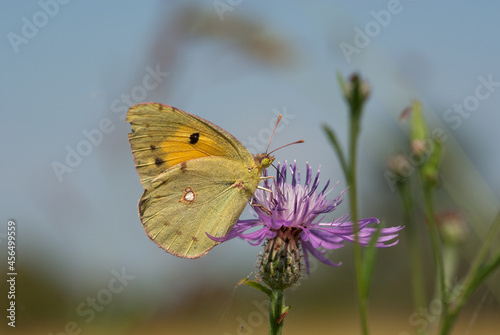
(189, 196)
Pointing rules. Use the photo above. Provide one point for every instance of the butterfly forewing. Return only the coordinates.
(163, 136)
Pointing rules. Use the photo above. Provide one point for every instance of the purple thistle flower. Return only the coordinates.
(294, 213)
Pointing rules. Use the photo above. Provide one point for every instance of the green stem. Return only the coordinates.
(414, 246)
(481, 256)
(352, 182)
(436, 249)
(475, 275)
(276, 312)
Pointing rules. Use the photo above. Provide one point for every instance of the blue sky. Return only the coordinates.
(65, 79)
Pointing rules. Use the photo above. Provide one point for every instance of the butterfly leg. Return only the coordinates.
(268, 212)
(268, 190)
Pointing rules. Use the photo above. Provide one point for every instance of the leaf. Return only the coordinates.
(256, 285)
(369, 260)
(338, 149)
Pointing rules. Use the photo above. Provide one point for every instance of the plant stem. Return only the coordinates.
(480, 258)
(474, 277)
(436, 249)
(414, 246)
(351, 180)
(276, 311)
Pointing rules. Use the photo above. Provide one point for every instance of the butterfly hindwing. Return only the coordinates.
(163, 136)
(196, 197)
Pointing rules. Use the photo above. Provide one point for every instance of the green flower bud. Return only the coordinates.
(418, 130)
(356, 92)
(400, 167)
(430, 169)
(428, 150)
(452, 227)
(280, 265)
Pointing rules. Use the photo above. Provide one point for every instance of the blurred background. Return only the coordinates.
(71, 69)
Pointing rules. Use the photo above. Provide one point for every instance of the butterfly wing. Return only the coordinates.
(163, 136)
(196, 197)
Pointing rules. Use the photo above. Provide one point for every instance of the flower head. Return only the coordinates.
(356, 92)
(295, 214)
(452, 226)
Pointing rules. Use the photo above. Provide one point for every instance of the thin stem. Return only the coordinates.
(276, 312)
(475, 275)
(352, 182)
(436, 249)
(480, 258)
(414, 246)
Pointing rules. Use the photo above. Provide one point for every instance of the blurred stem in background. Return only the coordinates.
(428, 151)
(446, 233)
(400, 168)
(447, 230)
(478, 272)
(356, 92)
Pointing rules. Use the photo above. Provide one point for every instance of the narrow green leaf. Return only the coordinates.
(338, 149)
(484, 271)
(256, 285)
(341, 82)
(369, 260)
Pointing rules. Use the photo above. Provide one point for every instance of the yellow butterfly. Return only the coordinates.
(197, 177)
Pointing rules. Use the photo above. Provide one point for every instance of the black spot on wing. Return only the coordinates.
(194, 137)
(152, 147)
(159, 161)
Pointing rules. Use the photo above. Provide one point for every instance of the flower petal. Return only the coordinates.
(316, 253)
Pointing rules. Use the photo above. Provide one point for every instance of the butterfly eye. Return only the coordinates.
(265, 162)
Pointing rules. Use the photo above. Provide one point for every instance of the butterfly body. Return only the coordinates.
(197, 178)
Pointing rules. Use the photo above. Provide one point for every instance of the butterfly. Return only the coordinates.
(197, 177)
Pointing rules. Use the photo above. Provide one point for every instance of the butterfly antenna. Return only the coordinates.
(275, 126)
(301, 141)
